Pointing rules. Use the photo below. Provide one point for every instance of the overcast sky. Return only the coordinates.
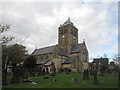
(38, 22)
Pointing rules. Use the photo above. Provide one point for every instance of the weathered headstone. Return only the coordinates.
(54, 80)
(46, 77)
(60, 70)
(66, 70)
(33, 73)
(91, 72)
(43, 71)
(54, 70)
(101, 71)
(39, 71)
(95, 77)
(21, 71)
(4, 77)
(34, 83)
(29, 80)
(15, 78)
(25, 80)
(86, 75)
(25, 76)
(85, 72)
(74, 80)
(119, 78)
(69, 70)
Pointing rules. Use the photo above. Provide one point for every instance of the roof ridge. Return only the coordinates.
(47, 47)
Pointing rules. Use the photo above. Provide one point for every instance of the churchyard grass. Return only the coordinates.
(64, 81)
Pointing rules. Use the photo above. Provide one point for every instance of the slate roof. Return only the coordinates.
(70, 60)
(67, 23)
(62, 52)
(76, 48)
(49, 63)
(49, 49)
(44, 50)
(42, 61)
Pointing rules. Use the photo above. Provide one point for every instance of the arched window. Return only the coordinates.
(65, 31)
(41, 56)
(60, 32)
(47, 56)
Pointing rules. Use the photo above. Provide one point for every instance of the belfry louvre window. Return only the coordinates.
(47, 56)
(65, 31)
(61, 31)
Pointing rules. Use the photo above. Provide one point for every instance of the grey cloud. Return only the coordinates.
(41, 21)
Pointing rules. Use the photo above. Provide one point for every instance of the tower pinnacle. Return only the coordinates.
(68, 22)
(69, 19)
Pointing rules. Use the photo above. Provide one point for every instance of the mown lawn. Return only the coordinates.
(64, 81)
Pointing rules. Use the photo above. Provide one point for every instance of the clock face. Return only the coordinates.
(63, 36)
(73, 37)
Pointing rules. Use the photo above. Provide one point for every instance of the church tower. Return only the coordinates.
(67, 36)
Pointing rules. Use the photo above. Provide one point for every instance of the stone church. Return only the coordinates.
(68, 53)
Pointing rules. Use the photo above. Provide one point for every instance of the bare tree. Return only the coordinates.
(4, 39)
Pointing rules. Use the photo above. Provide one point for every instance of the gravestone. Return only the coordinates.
(4, 77)
(43, 71)
(46, 77)
(66, 70)
(95, 77)
(69, 70)
(119, 78)
(21, 71)
(86, 75)
(101, 71)
(39, 71)
(15, 78)
(61, 70)
(54, 80)
(29, 80)
(25, 76)
(33, 73)
(53, 71)
(91, 72)
(25, 80)
(34, 83)
(74, 80)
